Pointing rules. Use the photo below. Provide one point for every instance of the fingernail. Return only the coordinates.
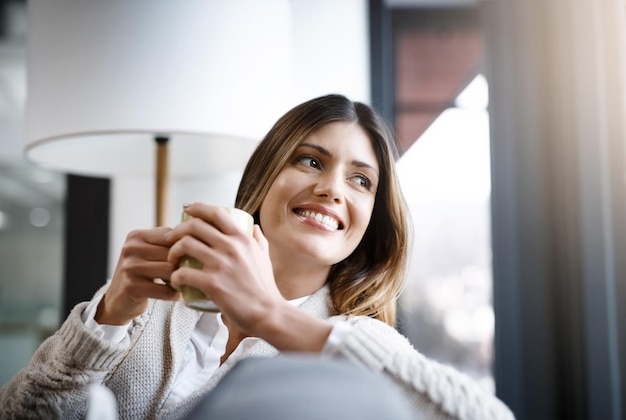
(185, 205)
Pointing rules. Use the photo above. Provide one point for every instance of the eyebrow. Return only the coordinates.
(327, 153)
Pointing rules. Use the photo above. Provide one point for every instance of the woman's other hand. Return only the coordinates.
(142, 261)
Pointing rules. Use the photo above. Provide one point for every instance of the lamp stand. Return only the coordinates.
(162, 179)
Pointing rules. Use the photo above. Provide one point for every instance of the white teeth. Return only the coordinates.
(320, 218)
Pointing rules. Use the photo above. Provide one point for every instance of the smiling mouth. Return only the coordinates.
(324, 219)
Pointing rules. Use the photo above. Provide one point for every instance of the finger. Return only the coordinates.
(151, 269)
(191, 247)
(217, 216)
(142, 250)
(195, 226)
(202, 210)
(154, 236)
(156, 291)
(155, 253)
(157, 236)
(201, 280)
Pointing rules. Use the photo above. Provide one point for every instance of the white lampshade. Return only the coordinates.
(105, 77)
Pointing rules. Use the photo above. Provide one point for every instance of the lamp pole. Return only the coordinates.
(162, 178)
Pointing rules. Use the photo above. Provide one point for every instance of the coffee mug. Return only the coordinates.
(193, 297)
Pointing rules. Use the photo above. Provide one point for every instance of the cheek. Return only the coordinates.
(367, 208)
(362, 214)
(265, 212)
(274, 198)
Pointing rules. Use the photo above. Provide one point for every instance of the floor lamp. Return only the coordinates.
(107, 80)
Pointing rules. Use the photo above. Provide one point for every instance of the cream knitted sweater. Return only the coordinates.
(141, 373)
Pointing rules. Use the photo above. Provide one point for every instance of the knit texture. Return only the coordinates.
(439, 390)
(141, 373)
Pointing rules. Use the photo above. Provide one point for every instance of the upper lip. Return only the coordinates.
(322, 210)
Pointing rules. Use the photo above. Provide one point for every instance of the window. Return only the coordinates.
(446, 309)
(442, 125)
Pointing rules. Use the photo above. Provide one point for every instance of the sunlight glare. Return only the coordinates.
(451, 160)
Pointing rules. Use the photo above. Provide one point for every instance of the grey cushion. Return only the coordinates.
(302, 387)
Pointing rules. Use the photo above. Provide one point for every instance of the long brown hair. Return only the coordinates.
(370, 279)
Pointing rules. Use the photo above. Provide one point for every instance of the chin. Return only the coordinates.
(323, 255)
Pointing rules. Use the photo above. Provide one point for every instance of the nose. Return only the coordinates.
(330, 185)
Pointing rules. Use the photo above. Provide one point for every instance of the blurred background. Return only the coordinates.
(508, 117)
(32, 214)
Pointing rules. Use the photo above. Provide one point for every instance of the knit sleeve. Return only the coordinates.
(436, 391)
(55, 384)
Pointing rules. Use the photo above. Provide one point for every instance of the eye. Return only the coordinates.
(309, 161)
(362, 181)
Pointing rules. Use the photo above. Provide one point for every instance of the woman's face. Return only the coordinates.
(319, 206)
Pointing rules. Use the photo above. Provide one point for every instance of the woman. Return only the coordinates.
(321, 274)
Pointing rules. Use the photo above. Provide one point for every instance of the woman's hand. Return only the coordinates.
(237, 272)
(142, 260)
(237, 275)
